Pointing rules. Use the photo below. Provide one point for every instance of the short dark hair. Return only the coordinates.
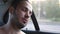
(15, 2)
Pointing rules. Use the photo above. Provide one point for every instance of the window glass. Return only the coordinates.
(47, 13)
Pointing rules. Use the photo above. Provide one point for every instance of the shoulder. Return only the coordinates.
(21, 32)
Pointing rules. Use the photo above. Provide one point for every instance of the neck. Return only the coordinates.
(10, 29)
(12, 22)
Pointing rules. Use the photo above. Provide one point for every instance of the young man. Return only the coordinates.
(19, 14)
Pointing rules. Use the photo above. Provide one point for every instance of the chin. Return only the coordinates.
(20, 25)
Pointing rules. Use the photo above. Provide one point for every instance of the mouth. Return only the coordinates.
(25, 20)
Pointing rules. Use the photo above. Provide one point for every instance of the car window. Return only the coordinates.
(47, 13)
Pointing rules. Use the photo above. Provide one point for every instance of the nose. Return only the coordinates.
(27, 15)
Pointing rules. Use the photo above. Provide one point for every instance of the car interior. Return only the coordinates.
(37, 30)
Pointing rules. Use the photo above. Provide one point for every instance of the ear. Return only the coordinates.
(11, 10)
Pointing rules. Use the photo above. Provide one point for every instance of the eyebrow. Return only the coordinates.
(26, 8)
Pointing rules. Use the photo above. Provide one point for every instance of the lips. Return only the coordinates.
(25, 20)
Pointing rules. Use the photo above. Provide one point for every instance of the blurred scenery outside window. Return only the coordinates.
(47, 10)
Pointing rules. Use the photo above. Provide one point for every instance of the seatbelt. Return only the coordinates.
(35, 22)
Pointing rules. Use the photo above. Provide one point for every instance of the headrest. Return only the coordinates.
(4, 5)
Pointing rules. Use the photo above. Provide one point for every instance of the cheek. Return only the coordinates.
(20, 13)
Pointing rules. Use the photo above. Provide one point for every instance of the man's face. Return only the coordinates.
(23, 12)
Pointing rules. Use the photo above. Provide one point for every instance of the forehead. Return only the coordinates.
(25, 4)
